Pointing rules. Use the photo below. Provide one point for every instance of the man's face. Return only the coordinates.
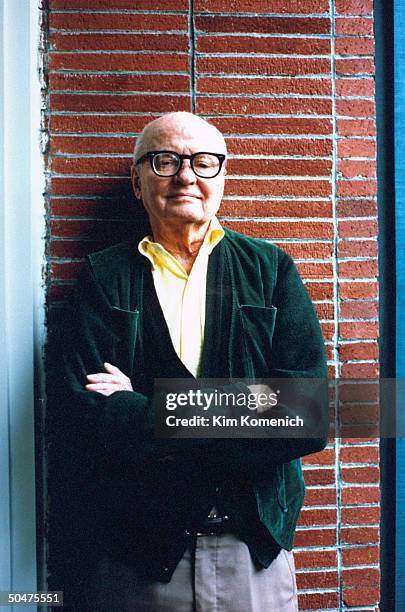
(184, 198)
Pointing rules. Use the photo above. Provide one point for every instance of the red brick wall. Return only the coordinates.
(290, 83)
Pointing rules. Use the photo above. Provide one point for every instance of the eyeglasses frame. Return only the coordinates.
(152, 154)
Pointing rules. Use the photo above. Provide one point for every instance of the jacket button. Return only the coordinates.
(165, 569)
(187, 532)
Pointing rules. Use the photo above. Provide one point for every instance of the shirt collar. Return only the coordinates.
(160, 257)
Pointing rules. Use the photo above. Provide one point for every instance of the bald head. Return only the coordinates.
(182, 124)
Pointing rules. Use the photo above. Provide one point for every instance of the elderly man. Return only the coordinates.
(186, 525)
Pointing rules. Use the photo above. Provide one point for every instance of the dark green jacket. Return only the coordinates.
(260, 323)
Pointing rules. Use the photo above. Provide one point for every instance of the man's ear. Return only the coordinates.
(136, 182)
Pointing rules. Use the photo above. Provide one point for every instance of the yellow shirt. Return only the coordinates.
(182, 296)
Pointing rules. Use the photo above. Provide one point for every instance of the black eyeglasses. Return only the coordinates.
(169, 163)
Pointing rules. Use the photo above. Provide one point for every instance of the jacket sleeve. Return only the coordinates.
(297, 353)
(115, 429)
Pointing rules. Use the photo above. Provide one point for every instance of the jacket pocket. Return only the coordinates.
(258, 324)
(126, 326)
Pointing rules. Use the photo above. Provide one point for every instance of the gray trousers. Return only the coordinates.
(216, 576)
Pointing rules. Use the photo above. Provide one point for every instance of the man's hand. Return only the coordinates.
(109, 381)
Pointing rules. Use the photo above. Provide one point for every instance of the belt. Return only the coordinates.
(214, 526)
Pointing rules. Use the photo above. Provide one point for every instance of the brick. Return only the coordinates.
(251, 105)
(284, 85)
(92, 165)
(355, 87)
(111, 103)
(117, 61)
(362, 188)
(320, 497)
(318, 601)
(361, 475)
(263, 66)
(354, 229)
(315, 270)
(350, 168)
(280, 167)
(315, 559)
(328, 332)
(65, 271)
(316, 537)
(73, 248)
(361, 596)
(145, 5)
(357, 248)
(117, 21)
(259, 125)
(254, 44)
(363, 440)
(59, 292)
(320, 291)
(279, 146)
(324, 311)
(354, 46)
(356, 535)
(361, 577)
(356, 127)
(267, 25)
(359, 454)
(95, 229)
(324, 457)
(355, 66)
(354, 26)
(319, 477)
(315, 517)
(280, 208)
(359, 310)
(279, 187)
(358, 350)
(119, 83)
(89, 207)
(350, 290)
(360, 370)
(312, 580)
(89, 187)
(364, 555)
(86, 41)
(91, 145)
(361, 516)
(354, 7)
(356, 208)
(355, 108)
(309, 250)
(360, 495)
(280, 229)
(358, 269)
(358, 330)
(355, 147)
(257, 6)
(94, 123)
(352, 392)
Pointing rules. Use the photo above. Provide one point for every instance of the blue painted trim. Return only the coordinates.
(384, 72)
(399, 140)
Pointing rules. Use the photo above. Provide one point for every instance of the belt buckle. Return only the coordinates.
(214, 526)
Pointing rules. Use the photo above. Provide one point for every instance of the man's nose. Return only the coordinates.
(186, 174)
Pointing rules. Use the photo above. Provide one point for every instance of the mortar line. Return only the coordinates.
(335, 350)
(192, 59)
